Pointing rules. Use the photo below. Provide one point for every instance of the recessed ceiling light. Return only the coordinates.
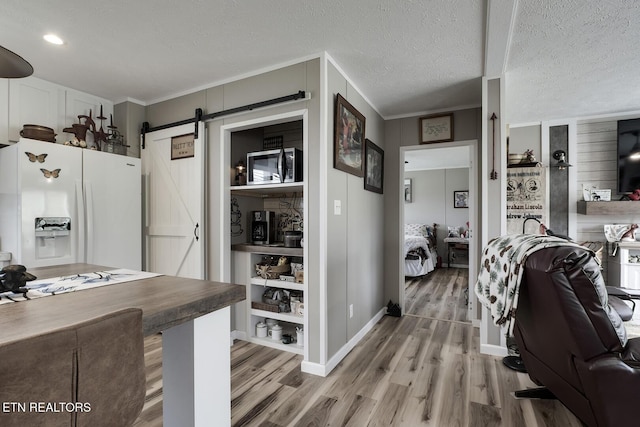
(52, 38)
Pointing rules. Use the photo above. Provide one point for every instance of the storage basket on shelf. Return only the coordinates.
(274, 299)
(268, 271)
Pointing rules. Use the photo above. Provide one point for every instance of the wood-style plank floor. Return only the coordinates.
(423, 369)
(439, 295)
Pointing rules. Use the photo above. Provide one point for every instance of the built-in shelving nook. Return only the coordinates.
(286, 204)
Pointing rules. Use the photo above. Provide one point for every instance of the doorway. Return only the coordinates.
(453, 161)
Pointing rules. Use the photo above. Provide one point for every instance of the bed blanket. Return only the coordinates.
(501, 269)
(413, 243)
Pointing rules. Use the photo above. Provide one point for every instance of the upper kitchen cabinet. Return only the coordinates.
(35, 101)
(38, 102)
(83, 104)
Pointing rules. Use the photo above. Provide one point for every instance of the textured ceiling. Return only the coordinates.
(407, 57)
(573, 58)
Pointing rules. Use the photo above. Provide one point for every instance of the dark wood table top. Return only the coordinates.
(165, 301)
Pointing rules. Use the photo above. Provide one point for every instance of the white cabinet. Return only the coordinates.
(35, 101)
(80, 103)
(624, 268)
(39, 102)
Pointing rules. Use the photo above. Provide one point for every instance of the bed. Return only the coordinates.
(420, 249)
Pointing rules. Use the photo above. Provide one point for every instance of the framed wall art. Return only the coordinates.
(436, 128)
(349, 138)
(461, 199)
(373, 167)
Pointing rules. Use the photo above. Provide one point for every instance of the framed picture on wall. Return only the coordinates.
(461, 199)
(373, 167)
(436, 128)
(349, 137)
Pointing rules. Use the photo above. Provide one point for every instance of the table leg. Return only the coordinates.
(196, 372)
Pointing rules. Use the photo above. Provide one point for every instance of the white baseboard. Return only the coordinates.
(238, 335)
(493, 350)
(324, 370)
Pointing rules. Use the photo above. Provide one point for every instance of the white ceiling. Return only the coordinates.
(561, 58)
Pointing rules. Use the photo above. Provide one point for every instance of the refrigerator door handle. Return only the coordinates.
(196, 232)
(80, 226)
(89, 220)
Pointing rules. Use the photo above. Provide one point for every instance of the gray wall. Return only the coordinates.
(129, 117)
(285, 81)
(404, 133)
(355, 249)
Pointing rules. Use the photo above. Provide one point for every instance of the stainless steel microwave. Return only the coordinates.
(274, 166)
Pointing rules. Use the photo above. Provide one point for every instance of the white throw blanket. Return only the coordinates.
(501, 269)
(412, 243)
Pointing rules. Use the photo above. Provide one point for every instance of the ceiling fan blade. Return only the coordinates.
(13, 66)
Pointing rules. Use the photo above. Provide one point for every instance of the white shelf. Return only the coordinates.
(282, 284)
(268, 249)
(284, 317)
(268, 342)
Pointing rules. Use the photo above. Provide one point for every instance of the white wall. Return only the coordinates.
(432, 200)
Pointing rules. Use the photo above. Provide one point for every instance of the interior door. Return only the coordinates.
(174, 202)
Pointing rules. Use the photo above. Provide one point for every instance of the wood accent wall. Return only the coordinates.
(596, 164)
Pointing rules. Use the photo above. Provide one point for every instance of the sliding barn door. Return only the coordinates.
(173, 170)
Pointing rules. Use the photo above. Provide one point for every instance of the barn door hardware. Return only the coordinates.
(198, 117)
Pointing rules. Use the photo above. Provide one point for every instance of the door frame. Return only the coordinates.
(472, 308)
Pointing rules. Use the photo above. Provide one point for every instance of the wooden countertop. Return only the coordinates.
(165, 301)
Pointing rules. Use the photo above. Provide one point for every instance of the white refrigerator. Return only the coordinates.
(62, 205)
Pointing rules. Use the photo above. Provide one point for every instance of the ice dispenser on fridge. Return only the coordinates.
(53, 237)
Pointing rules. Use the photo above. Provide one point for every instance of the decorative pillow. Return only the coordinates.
(416, 230)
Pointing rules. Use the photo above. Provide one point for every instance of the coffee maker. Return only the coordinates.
(263, 227)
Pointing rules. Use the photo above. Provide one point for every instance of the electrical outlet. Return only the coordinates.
(350, 311)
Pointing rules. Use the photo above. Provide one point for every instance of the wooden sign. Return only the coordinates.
(182, 146)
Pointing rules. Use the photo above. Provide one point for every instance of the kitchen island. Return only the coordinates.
(194, 316)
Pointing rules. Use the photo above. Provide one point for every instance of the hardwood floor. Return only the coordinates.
(439, 295)
(418, 370)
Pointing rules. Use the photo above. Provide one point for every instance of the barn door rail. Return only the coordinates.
(199, 116)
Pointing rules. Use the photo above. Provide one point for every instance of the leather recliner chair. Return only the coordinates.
(572, 342)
